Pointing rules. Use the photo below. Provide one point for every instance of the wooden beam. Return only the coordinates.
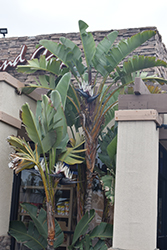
(139, 87)
(147, 101)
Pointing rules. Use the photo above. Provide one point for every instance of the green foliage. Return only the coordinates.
(82, 238)
(92, 100)
(52, 66)
(109, 142)
(105, 58)
(34, 236)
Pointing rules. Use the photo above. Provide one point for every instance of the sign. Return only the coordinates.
(20, 59)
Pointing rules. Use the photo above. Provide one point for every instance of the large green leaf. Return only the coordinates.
(31, 125)
(136, 64)
(31, 238)
(112, 148)
(125, 47)
(35, 236)
(72, 155)
(59, 120)
(76, 58)
(88, 43)
(65, 54)
(51, 66)
(103, 230)
(40, 220)
(83, 225)
(102, 49)
(62, 88)
(100, 245)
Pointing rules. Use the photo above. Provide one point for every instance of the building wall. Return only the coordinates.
(10, 104)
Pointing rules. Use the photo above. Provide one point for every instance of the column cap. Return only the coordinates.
(138, 115)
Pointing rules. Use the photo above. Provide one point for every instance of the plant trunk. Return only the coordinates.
(51, 226)
(91, 146)
(91, 127)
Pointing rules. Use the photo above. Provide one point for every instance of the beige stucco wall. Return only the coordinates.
(135, 213)
(6, 177)
(10, 104)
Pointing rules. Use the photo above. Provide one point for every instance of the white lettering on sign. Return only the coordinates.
(20, 59)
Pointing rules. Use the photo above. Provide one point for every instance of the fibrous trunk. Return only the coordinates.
(51, 226)
(91, 147)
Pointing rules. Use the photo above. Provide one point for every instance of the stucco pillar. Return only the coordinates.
(135, 213)
(10, 104)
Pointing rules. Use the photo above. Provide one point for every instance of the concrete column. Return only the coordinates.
(135, 213)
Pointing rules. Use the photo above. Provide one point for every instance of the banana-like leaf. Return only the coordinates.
(112, 148)
(72, 156)
(77, 55)
(100, 245)
(102, 49)
(88, 43)
(30, 239)
(71, 112)
(83, 225)
(59, 120)
(62, 88)
(81, 240)
(52, 66)
(65, 54)
(103, 230)
(125, 47)
(31, 125)
(40, 220)
(74, 48)
(35, 237)
(135, 64)
(47, 130)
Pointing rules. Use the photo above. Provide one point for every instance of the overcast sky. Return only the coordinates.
(37, 17)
